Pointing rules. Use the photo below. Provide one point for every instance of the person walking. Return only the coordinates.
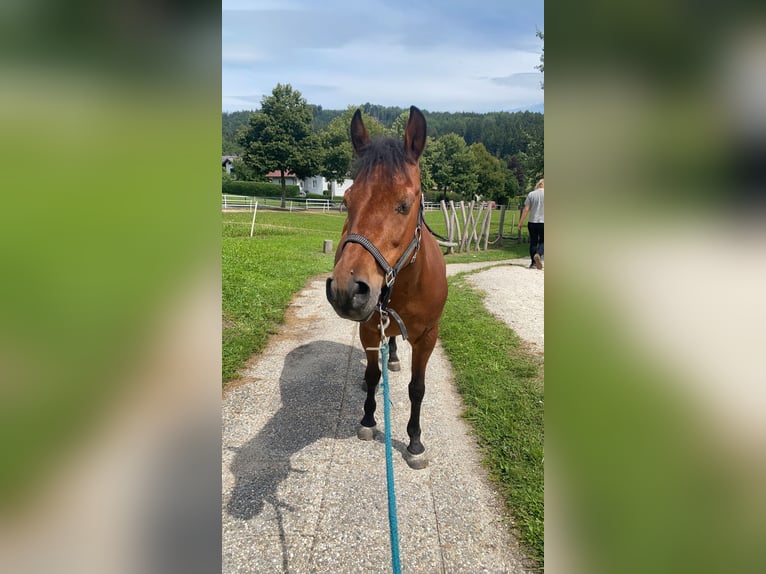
(534, 206)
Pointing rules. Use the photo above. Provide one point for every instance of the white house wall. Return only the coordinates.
(339, 190)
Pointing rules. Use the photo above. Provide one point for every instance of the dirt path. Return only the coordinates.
(302, 494)
(515, 294)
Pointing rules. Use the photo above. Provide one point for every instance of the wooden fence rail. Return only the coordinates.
(468, 226)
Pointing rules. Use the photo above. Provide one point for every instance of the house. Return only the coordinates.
(338, 190)
(227, 162)
(275, 177)
(315, 184)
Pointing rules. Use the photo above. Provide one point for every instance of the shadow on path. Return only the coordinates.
(315, 381)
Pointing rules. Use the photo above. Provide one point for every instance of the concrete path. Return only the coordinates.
(302, 494)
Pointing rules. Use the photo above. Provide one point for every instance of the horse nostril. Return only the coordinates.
(362, 288)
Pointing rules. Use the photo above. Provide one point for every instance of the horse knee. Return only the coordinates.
(417, 391)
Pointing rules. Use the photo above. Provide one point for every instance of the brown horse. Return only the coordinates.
(388, 263)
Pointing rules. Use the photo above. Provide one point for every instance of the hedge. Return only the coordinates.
(323, 196)
(257, 188)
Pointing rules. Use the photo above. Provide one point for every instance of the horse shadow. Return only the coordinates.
(318, 383)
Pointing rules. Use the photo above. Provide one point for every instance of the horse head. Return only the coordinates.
(384, 211)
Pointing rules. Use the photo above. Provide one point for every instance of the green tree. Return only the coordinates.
(516, 169)
(399, 125)
(490, 173)
(511, 185)
(279, 136)
(427, 182)
(453, 166)
(534, 161)
(243, 172)
(335, 143)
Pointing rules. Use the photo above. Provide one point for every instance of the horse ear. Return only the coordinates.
(415, 134)
(359, 135)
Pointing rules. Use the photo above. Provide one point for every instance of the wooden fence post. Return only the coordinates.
(455, 233)
(487, 224)
(500, 231)
(447, 221)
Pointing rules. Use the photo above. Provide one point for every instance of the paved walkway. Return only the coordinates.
(302, 494)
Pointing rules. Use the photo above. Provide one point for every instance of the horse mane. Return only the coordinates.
(382, 151)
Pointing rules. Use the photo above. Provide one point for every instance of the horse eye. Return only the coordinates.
(403, 208)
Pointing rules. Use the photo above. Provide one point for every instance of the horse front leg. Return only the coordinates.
(415, 454)
(393, 357)
(370, 341)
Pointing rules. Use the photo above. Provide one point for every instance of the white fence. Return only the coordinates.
(323, 204)
(237, 202)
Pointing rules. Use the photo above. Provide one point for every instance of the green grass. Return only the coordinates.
(260, 274)
(502, 387)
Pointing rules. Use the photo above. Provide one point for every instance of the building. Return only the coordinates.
(227, 162)
(315, 184)
(275, 177)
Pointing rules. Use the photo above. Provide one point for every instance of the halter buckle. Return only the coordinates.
(385, 321)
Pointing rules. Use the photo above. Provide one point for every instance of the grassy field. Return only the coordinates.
(260, 274)
(500, 383)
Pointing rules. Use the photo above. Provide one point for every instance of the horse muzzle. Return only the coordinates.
(354, 300)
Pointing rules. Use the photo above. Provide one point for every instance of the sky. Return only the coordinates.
(441, 56)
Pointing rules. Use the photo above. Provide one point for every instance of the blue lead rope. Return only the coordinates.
(393, 527)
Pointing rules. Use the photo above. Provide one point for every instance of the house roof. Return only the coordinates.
(228, 158)
(278, 174)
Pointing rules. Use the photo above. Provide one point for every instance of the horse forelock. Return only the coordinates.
(386, 153)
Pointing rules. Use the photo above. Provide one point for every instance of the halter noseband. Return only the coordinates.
(391, 272)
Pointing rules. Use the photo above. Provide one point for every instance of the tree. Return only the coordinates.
(516, 169)
(335, 143)
(427, 182)
(279, 136)
(243, 172)
(400, 124)
(490, 173)
(534, 161)
(453, 166)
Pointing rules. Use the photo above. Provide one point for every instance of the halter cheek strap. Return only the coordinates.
(408, 257)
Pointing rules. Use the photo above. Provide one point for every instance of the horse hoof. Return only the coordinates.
(365, 433)
(394, 366)
(416, 461)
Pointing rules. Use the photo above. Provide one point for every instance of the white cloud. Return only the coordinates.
(342, 64)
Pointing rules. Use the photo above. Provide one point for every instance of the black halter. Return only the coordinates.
(407, 258)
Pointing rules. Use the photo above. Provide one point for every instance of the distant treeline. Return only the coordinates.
(502, 133)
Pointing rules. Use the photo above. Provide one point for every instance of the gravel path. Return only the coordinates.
(515, 294)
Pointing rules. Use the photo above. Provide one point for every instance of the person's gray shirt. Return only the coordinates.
(536, 202)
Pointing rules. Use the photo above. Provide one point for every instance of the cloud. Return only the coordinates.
(443, 58)
(522, 79)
